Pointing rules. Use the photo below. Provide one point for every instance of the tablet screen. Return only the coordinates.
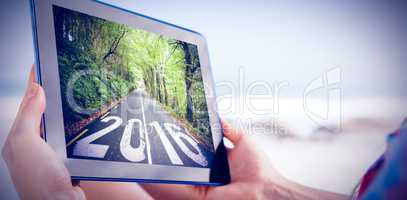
(129, 95)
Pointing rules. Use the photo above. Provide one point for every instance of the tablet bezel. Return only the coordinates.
(48, 77)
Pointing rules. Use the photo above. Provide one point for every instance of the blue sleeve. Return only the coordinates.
(391, 182)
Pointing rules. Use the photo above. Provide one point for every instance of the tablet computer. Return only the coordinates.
(129, 97)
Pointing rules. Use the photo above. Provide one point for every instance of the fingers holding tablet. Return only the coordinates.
(35, 169)
(230, 133)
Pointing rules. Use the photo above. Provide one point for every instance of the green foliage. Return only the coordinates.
(120, 59)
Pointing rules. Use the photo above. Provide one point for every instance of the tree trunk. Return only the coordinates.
(59, 22)
(188, 82)
(165, 91)
(158, 86)
(113, 46)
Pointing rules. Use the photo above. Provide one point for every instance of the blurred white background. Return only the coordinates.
(339, 64)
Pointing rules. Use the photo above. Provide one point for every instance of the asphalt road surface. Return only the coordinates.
(139, 130)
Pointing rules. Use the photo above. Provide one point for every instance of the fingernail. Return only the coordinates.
(32, 91)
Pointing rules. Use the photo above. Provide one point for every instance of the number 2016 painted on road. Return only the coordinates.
(136, 154)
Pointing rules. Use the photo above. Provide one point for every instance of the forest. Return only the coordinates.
(124, 59)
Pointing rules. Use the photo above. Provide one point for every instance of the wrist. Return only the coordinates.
(280, 188)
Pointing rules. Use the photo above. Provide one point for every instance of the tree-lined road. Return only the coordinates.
(139, 130)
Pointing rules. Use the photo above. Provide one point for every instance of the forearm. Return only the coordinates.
(113, 190)
(284, 189)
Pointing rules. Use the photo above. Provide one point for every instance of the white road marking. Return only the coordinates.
(130, 153)
(176, 134)
(78, 136)
(145, 131)
(172, 154)
(83, 146)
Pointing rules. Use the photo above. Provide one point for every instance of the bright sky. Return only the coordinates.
(272, 41)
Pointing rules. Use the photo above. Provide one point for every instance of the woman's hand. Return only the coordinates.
(252, 177)
(37, 172)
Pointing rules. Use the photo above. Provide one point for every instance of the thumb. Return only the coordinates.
(245, 160)
(243, 145)
(32, 107)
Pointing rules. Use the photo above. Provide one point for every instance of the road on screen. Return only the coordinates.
(139, 130)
